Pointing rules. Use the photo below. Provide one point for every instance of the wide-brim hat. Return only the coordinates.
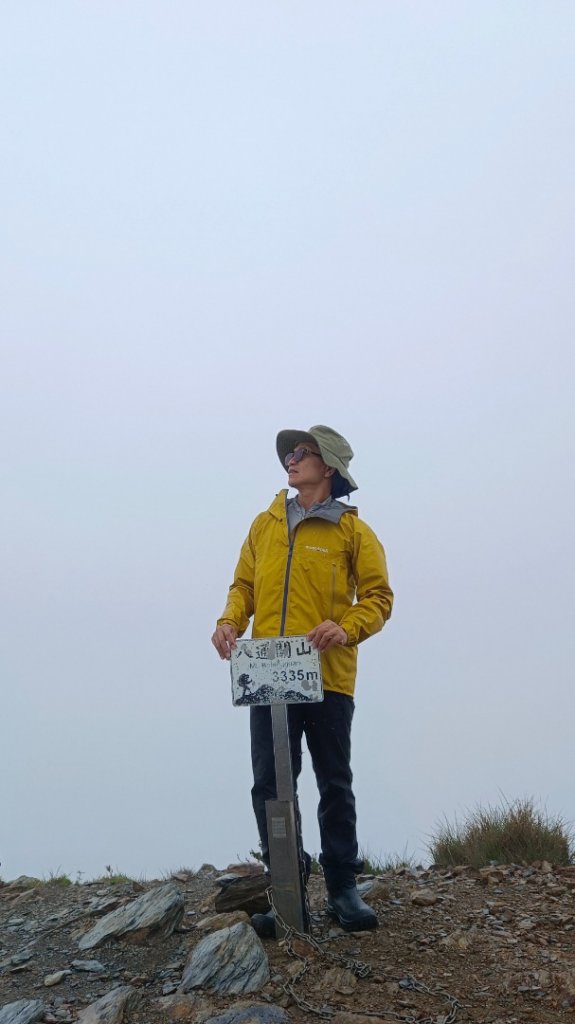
(335, 450)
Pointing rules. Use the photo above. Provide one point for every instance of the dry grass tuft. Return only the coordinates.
(512, 833)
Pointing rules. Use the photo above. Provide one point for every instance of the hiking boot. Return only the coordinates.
(349, 909)
(264, 925)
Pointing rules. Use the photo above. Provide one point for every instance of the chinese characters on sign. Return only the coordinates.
(275, 670)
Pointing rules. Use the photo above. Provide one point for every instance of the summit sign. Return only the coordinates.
(275, 670)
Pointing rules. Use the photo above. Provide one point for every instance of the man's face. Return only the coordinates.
(310, 470)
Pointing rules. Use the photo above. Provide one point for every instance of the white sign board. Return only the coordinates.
(275, 670)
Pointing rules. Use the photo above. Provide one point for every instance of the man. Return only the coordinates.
(310, 565)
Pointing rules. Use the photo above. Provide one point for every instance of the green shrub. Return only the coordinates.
(58, 879)
(182, 870)
(113, 877)
(511, 833)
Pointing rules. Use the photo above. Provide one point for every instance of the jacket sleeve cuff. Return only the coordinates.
(230, 622)
(351, 634)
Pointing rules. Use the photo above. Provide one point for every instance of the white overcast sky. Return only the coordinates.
(221, 219)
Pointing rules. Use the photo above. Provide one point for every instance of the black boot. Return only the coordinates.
(347, 906)
(264, 925)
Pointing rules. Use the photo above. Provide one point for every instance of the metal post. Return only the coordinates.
(283, 831)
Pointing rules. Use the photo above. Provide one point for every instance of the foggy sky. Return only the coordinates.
(220, 221)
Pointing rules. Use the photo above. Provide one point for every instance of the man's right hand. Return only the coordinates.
(224, 640)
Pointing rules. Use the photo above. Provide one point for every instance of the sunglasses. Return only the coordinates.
(298, 455)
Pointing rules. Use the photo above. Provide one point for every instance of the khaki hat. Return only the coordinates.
(335, 450)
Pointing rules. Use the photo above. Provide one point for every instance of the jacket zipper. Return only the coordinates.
(288, 567)
(287, 575)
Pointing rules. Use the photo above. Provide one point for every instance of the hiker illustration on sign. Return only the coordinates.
(282, 670)
(244, 682)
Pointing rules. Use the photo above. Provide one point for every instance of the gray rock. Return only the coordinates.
(243, 892)
(18, 962)
(56, 978)
(23, 1011)
(57, 918)
(231, 960)
(338, 979)
(423, 898)
(180, 1007)
(103, 904)
(365, 886)
(374, 890)
(23, 882)
(218, 921)
(94, 966)
(111, 1007)
(160, 910)
(256, 1014)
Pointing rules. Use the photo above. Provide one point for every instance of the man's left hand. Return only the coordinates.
(327, 634)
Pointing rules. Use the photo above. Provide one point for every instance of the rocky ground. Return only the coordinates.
(495, 946)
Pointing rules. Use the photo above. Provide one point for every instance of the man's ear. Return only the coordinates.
(329, 471)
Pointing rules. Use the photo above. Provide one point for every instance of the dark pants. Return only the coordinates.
(327, 728)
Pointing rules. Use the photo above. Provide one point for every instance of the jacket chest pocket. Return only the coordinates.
(326, 577)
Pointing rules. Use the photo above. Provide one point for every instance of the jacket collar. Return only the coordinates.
(332, 514)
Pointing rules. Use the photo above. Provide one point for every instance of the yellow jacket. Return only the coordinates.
(326, 570)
